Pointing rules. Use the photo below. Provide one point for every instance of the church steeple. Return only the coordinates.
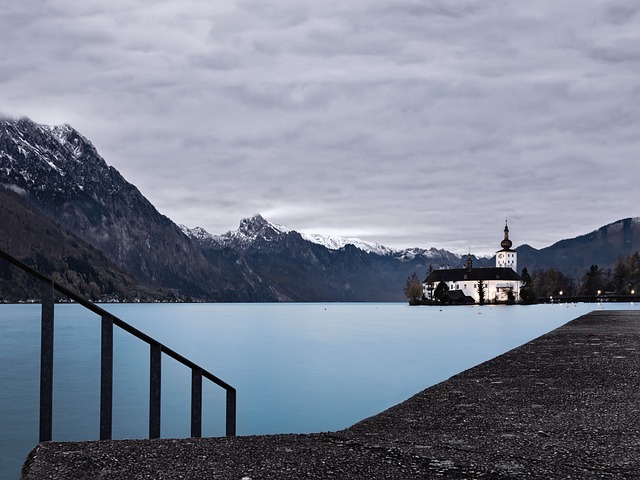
(506, 243)
(507, 258)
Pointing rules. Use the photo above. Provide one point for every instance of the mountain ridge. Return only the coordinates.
(252, 226)
(61, 174)
(603, 247)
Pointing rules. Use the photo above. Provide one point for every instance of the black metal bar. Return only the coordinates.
(155, 372)
(189, 364)
(231, 412)
(46, 362)
(106, 378)
(116, 321)
(196, 402)
(106, 383)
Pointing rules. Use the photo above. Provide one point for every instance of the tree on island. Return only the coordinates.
(441, 291)
(481, 293)
(527, 295)
(413, 288)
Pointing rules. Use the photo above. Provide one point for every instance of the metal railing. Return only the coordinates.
(49, 287)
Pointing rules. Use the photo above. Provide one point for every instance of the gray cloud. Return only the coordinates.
(410, 123)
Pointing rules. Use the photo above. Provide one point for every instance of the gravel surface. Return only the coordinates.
(561, 406)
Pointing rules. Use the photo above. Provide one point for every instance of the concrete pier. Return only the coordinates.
(562, 406)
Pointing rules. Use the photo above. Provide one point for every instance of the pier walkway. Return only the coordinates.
(562, 406)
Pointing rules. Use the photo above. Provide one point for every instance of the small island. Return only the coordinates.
(470, 285)
(501, 284)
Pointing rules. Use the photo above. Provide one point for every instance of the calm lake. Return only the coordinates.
(298, 368)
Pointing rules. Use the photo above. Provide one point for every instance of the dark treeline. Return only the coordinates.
(622, 279)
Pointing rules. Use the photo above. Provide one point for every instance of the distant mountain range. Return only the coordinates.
(68, 213)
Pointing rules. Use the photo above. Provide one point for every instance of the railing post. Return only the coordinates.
(48, 290)
(196, 402)
(106, 378)
(155, 390)
(46, 362)
(231, 412)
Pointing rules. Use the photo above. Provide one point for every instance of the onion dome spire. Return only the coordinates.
(506, 243)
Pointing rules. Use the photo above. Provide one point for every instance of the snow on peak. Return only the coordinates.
(248, 232)
(252, 228)
(256, 225)
(68, 137)
(335, 243)
(197, 232)
(60, 132)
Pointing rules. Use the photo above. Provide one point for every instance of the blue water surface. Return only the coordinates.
(298, 368)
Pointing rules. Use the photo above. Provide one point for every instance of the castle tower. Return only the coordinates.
(506, 257)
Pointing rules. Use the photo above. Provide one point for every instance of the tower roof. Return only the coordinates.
(506, 244)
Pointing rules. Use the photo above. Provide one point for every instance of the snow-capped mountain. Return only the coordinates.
(60, 172)
(407, 254)
(251, 230)
(256, 229)
(333, 242)
(30, 153)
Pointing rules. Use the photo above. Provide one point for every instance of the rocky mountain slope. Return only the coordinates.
(32, 237)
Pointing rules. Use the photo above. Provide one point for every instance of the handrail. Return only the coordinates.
(106, 361)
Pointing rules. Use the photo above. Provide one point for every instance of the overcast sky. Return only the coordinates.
(403, 122)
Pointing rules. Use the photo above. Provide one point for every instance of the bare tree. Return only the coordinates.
(413, 288)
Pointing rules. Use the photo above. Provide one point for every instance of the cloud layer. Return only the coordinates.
(406, 122)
